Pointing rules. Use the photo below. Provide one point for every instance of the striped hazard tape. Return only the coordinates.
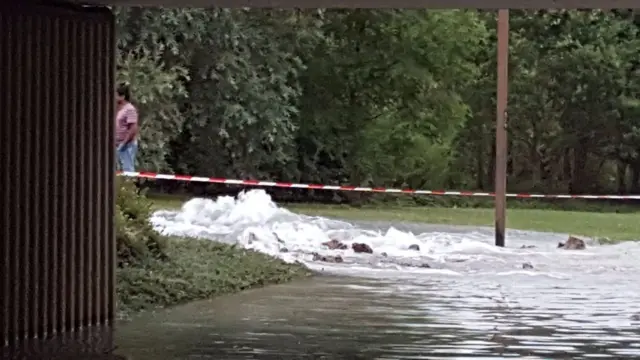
(188, 178)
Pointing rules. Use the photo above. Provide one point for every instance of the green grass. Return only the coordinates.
(197, 269)
(605, 226)
(610, 226)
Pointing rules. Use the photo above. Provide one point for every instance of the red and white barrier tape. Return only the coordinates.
(148, 175)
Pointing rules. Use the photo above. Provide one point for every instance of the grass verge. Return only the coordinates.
(158, 271)
(609, 226)
(604, 226)
(197, 269)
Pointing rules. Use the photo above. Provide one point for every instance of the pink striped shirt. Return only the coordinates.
(126, 116)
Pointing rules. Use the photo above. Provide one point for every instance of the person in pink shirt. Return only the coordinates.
(126, 129)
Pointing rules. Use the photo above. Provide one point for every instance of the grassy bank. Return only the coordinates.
(197, 269)
(604, 225)
(157, 271)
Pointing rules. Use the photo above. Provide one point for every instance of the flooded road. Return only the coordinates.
(476, 301)
(335, 318)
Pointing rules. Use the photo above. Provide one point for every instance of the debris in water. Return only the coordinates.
(573, 243)
(327, 258)
(277, 237)
(335, 245)
(361, 248)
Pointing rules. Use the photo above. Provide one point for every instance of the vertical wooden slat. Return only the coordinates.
(5, 39)
(108, 171)
(57, 251)
(34, 167)
(54, 283)
(44, 247)
(89, 163)
(15, 169)
(6, 128)
(38, 232)
(71, 76)
(85, 131)
(82, 131)
(22, 168)
(24, 110)
(100, 222)
(64, 237)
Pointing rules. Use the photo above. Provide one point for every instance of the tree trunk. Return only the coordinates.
(480, 170)
(566, 167)
(635, 178)
(579, 183)
(491, 171)
(622, 175)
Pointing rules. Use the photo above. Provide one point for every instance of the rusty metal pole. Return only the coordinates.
(501, 125)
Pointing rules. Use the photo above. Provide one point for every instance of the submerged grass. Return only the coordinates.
(609, 226)
(197, 269)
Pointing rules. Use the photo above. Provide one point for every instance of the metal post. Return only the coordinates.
(501, 125)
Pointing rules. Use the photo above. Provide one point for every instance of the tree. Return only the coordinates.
(385, 97)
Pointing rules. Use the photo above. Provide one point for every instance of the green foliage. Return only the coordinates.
(386, 97)
(136, 240)
(199, 269)
(157, 90)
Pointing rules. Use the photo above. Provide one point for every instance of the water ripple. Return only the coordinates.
(571, 305)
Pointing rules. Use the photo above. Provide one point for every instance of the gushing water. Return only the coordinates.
(528, 299)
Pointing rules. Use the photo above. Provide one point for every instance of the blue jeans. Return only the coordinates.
(127, 156)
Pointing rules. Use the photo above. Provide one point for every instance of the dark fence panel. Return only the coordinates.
(56, 149)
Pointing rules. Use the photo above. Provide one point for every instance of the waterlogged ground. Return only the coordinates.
(476, 301)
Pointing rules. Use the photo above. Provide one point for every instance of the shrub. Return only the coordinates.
(136, 240)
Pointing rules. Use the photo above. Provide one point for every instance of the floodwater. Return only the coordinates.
(475, 300)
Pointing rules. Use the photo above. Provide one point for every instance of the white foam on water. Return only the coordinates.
(254, 221)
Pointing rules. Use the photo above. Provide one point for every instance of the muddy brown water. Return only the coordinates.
(577, 305)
